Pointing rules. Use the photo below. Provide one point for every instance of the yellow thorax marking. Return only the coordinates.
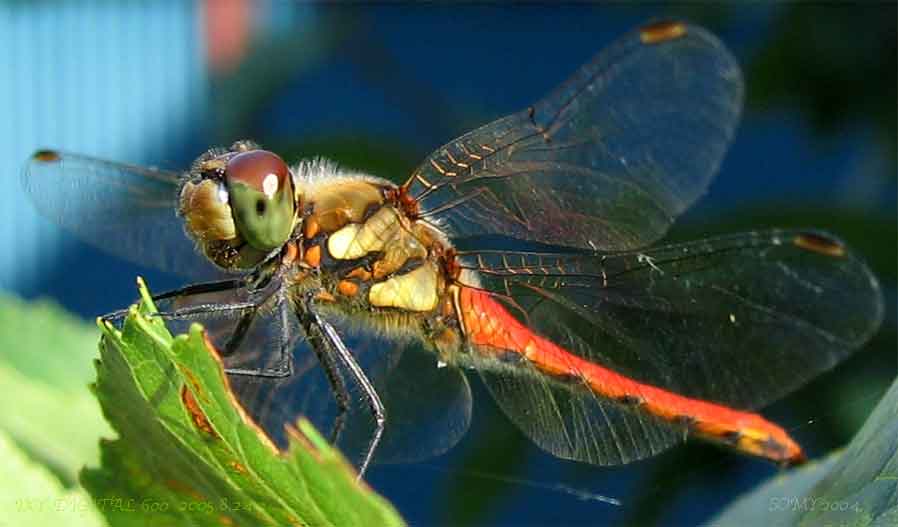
(356, 240)
(415, 291)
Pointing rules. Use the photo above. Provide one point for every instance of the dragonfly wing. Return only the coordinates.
(573, 423)
(428, 408)
(125, 210)
(607, 160)
(738, 320)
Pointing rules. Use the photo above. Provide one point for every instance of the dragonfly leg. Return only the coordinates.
(338, 385)
(285, 351)
(323, 349)
(201, 288)
(336, 350)
(235, 340)
(192, 289)
(206, 309)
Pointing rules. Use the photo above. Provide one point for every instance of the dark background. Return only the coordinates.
(378, 87)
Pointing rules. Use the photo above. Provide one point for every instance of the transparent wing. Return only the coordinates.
(428, 405)
(125, 210)
(571, 422)
(739, 320)
(607, 160)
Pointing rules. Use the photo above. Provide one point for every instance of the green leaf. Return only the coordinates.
(31, 495)
(188, 455)
(45, 360)
(855, 487)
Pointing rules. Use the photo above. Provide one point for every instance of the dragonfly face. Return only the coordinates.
(601, 347)
(239, 205)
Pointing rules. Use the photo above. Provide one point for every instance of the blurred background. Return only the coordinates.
(377, 88)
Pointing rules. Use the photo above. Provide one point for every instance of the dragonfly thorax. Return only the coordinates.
(378, 257)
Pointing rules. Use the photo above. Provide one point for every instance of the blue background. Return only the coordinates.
(378, 88)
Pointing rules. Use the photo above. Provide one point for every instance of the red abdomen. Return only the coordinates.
(490, 328)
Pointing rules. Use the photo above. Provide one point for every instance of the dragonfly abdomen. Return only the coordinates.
(491, 329)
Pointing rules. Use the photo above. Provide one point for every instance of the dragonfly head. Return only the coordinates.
(239, 205)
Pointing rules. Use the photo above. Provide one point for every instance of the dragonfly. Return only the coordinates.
(526, 252)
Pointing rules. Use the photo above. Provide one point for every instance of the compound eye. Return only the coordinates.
(261, 196)
(260, 170)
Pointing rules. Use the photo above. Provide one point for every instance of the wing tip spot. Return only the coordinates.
(662, 31)
(46, 156)
(819, 243)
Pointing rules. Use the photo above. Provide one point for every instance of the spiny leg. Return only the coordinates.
(190, 290)
(320, 345)
(285, 356)
(202, 288)
(235, 340)
(206, 309)
(285, 351)
(342, 353)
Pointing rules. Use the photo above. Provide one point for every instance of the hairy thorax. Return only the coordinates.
(370, 260)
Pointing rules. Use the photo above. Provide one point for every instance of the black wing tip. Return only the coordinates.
(46, 156)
